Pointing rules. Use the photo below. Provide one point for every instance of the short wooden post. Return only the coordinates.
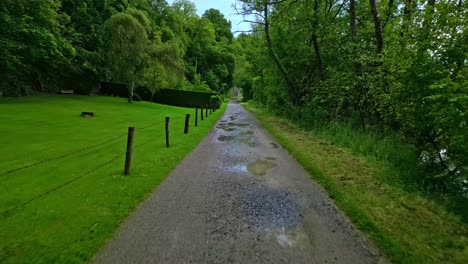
(211, 109)
(196, 116)
(187, 120)
(128, 156)
(167, 131)
(201, 107)
(206, 111)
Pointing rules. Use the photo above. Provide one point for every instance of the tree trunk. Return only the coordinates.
(284, 72)
(318, 56)
(352, 22)
(377, 26)
(130, 91)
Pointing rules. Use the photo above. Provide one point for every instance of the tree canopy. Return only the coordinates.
(141, 43)
(390, 65)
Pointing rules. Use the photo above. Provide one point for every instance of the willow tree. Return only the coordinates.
(127, 48)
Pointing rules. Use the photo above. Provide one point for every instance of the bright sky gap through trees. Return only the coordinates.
(226, 8)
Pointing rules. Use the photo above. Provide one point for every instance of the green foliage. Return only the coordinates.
(128, 46)
(221, 25)
(360, 172)
(141, 42)
(414, 89)
(30, 37)
(216, 101)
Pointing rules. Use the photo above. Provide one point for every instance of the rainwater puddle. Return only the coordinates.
(238, 124)
(225, 128)
(225, 138)
(246, 133)
(284, 240)
(274, 145)
(240, 168)
(260, 167)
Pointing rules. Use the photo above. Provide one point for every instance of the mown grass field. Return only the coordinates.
(75, 203)
(407, 226)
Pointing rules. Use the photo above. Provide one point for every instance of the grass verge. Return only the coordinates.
(76, 202)
(408, 227)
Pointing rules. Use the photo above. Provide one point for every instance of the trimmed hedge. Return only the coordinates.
(165, 96)
(144, 93)
(182, 98)
(114, 89)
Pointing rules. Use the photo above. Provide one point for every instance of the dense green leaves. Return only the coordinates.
(139, 42)
(381, 65)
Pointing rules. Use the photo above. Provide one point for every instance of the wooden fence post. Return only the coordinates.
(128, 156)
(206, 111)
(196, 116)
(167, 131)
(187, 120)
(201, 108)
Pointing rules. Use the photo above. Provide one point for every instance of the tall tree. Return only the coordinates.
(221, 25)
(377, 25)
(128, 47)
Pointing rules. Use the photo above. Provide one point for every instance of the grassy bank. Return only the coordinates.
(73, 197)
(408, 227)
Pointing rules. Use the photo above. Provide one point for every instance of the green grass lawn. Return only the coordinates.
(75, 203)
(408, 227)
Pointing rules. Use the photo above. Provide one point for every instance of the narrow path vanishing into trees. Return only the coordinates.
(239, 198)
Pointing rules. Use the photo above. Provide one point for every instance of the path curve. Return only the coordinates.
(239, 197)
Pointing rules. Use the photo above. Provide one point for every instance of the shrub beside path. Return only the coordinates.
(238, 197)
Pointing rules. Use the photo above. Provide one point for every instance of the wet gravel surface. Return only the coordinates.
(264, 208)
(239, 197)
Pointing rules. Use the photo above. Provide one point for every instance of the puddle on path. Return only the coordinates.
(243, 136)
(274, 145)
(230, 126)
(260, 167)
(240, 168)
(225, 127)
(245, 133)
(237, 124)
(225, 138)
(271, 158)
(248, 141)
(284, 240)
(292, 237)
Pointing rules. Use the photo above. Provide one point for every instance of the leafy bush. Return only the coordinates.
(215, 100)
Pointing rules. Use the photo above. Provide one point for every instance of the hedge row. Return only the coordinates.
(182, 98)
(114, 89)
(164, 96)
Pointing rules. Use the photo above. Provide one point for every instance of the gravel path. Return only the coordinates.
(238, 198)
